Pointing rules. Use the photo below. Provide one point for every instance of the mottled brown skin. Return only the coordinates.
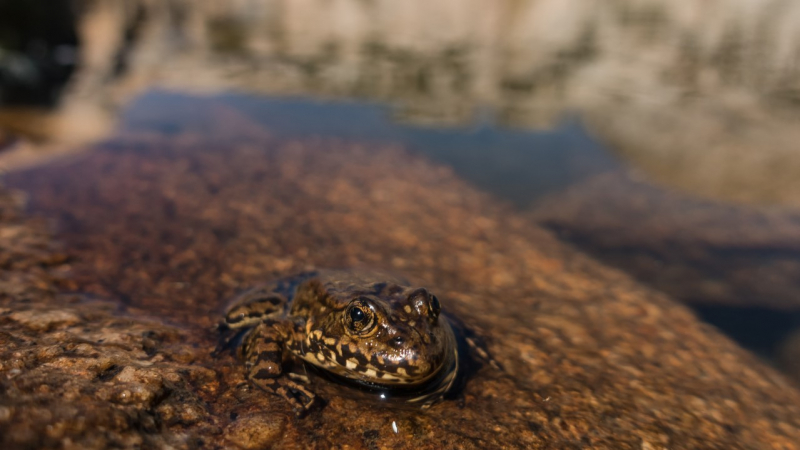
(364, 326)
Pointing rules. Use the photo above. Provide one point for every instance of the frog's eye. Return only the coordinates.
(425, 303)
(359, 317)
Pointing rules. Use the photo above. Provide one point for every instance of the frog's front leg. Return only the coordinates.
(254, 306)
(263, 356)
(246, 311)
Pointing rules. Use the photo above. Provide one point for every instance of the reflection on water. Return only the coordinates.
(519, 165)
(685, 90)
(699, 96)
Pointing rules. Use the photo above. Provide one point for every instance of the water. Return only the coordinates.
(659, 138)
(515, 164)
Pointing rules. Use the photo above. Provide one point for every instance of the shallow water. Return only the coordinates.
(517, 165)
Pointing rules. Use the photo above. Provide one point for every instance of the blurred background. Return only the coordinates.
(661, 137)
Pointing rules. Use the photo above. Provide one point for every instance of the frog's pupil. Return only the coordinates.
(357, 315)
(435, 306)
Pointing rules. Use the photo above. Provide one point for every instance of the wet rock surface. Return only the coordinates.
(737, 265)
(78, 373)
(172, 227)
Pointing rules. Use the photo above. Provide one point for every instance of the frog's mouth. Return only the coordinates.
(444, 373)
(419, 392)
(396, 370)
(393, 376)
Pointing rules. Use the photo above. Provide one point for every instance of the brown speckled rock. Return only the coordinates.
(174, 227)
(255, 431)
(75, 374)
(92, 383)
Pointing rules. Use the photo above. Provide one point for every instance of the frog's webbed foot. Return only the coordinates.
(299, 397)
(263, 361)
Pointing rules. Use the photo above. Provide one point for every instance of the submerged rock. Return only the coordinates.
(173, 227)
(74, 373)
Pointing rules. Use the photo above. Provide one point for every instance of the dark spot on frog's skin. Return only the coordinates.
(263, 374)
(340, 359)
(269, 356)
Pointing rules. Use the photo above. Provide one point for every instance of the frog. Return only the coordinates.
(368, 328)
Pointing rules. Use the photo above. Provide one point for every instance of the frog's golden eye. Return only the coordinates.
(359, 318)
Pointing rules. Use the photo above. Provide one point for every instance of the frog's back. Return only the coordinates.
(357, 281)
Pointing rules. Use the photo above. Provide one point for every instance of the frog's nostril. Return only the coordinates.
(397, 341)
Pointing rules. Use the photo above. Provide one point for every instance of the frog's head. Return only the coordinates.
(393, 336)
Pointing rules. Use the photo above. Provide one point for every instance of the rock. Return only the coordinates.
(172, 227)
(74, 375)
(255, 432)
(44, 320)
(75, 384)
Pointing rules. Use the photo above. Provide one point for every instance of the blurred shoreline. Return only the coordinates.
(699, 96)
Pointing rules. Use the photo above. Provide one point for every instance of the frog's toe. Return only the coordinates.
(297, 395)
